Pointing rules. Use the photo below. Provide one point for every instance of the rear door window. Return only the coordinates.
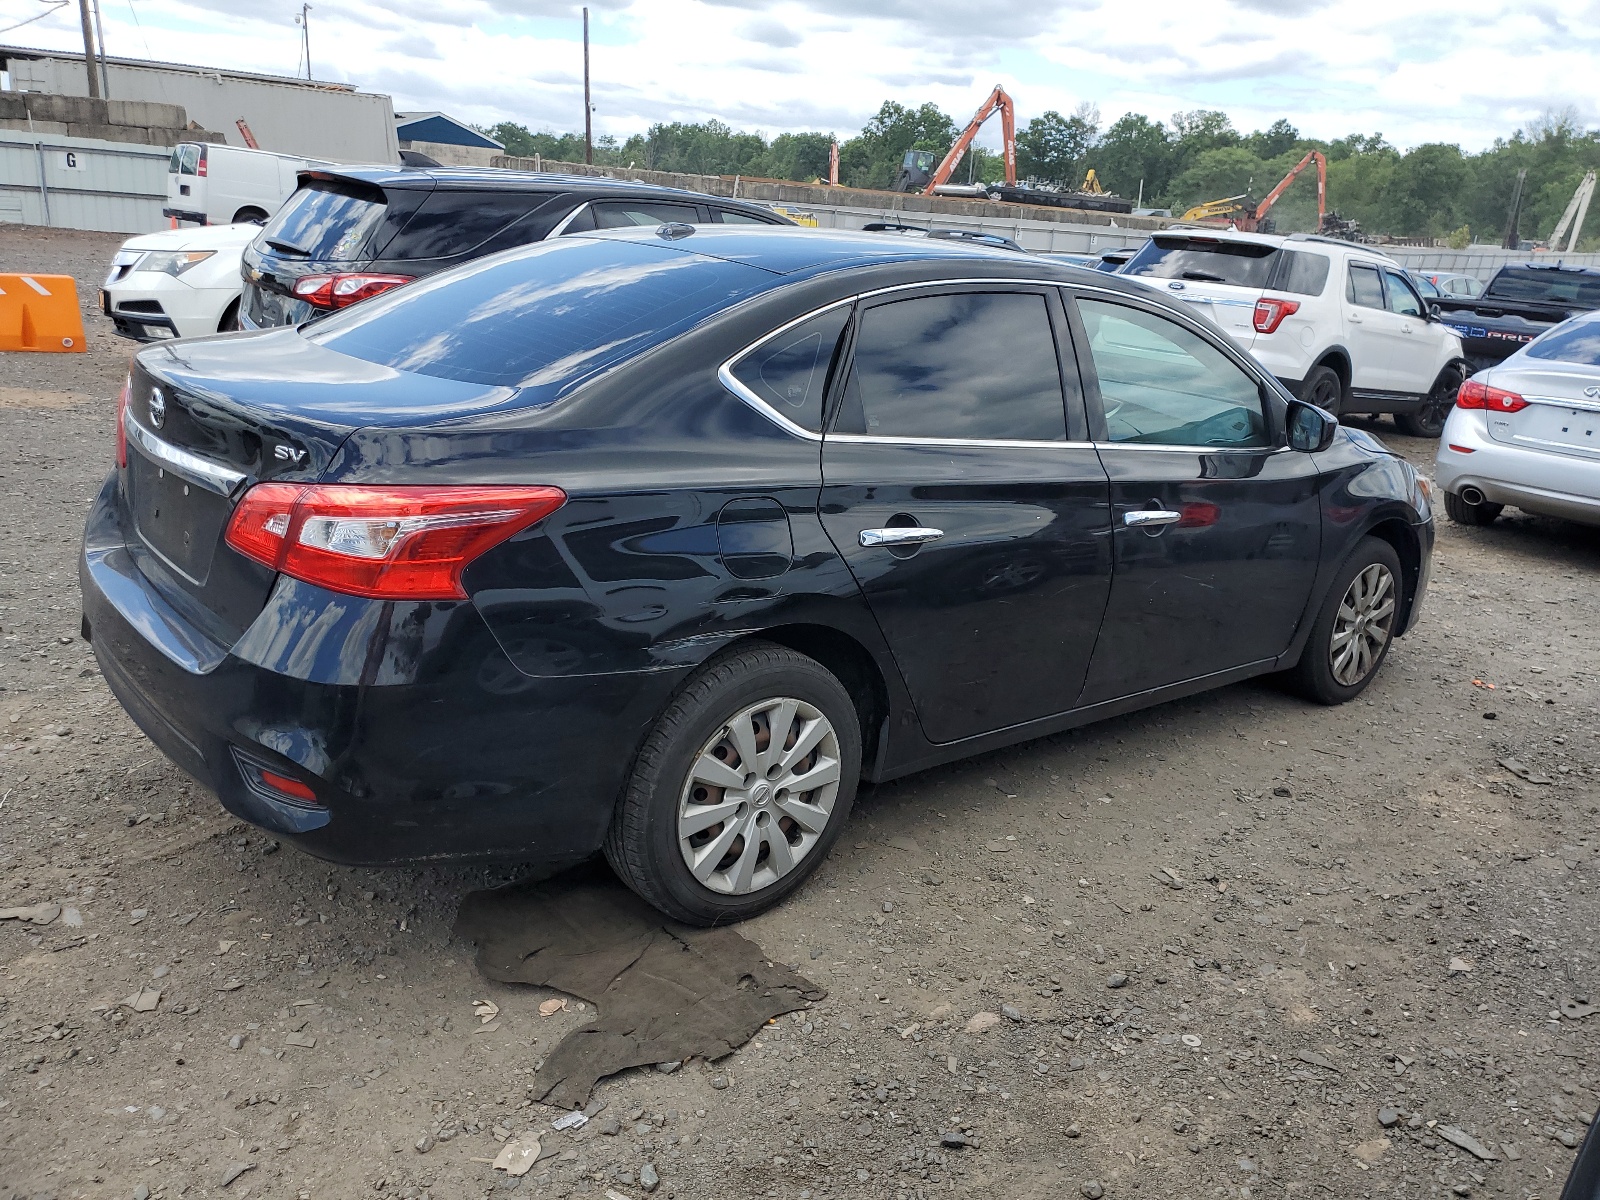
(788, 373)
(729, 217)
(927, 367)
(1364, 288)
(624, 214)
(326, 220)
(1204, 260)
(185, 159)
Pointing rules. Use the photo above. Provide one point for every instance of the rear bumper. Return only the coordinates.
(1536, 481)
(184, 214)
(420, 739)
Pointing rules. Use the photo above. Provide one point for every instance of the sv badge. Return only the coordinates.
(285, 453)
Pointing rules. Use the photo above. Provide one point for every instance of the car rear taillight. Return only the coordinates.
(122, 430)
(1270, 312)
(1480, 395)
(384, 543)
(343, 290)
(200, 167)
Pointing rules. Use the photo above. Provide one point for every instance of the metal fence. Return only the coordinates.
(81, 183)
(1042, 237)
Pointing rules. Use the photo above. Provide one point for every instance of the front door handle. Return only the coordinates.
(900, 535)
(1143, 518)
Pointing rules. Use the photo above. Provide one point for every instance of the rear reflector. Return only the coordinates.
(1462, 449)
(384, 543)
(122, 431)
(289, 787)
(1480, 395)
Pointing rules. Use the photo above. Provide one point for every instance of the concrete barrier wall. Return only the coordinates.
(82, 183)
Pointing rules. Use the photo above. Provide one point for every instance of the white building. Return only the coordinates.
(293, 116)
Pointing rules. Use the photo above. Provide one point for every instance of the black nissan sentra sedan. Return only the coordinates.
(659, 541)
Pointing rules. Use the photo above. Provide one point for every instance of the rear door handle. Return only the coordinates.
(900, 535)
(1141, 518)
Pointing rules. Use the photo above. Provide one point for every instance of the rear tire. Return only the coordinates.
(1322, 388)
(1462, 513)
(706, 756)
(1429, 418)
(1354, 628)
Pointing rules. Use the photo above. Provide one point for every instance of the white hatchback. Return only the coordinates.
(177, 283)
(1526, 432)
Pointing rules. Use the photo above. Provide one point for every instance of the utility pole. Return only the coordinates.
(1512, 237)
(100, 36)
(88, 49)
(588, 109)
(304, 21)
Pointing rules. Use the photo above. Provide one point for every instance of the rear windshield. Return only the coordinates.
(1548, 285)
(326, 220)
(1574, 342)
(185, 159)
(548, 316)
(1243, 264)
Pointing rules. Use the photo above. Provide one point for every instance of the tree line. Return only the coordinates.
(1431, 190)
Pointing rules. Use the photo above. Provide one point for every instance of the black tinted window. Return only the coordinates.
(1364, 288)
(1205, 260)
(1551, 286)
(327, 221)
(451, 223)
(544, 318)
(975, 366)
(1304, 273)
(1574, 342)
(790, 371)
(624, 214)
(1164, 385)
(729, 217)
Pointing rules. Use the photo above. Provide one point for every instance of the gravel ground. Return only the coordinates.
(1233, 946)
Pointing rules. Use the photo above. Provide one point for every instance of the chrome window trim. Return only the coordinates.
(1205, 331)
(198, 471)
(561, 225)
(1190, 449)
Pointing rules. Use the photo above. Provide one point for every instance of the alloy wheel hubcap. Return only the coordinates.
(759, 796)
(1362, 627)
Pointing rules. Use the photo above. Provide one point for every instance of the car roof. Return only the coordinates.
(796, 252)
(1555, 266)
(499, 179)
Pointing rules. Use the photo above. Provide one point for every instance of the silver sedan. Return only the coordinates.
(1526, 432)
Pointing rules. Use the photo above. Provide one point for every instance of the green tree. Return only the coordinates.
(1135, 150)
(1056, 148)
(872, 158)
(1424, 192)
(1276, 140)
(798, 156)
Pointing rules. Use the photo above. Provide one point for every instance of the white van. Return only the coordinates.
(213, 184)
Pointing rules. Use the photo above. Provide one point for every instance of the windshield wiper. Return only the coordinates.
(1204, 277)
(288, 247)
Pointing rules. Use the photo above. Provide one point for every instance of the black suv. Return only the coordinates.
(353, 233)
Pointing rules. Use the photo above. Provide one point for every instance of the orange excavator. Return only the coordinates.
(1248, 217)
(914, 168)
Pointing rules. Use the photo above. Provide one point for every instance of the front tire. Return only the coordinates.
(1428, 421)
(740, 789)
(1354, 628)
(1463, 513)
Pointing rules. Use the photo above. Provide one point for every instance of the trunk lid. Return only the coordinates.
(1560, 417)
(208, 418)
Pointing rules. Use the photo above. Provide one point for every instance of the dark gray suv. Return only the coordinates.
(349, 234)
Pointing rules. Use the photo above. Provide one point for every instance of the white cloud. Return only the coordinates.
(1425, 70)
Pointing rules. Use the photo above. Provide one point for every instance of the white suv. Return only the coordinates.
(1339, 324)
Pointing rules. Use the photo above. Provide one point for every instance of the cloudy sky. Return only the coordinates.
(1461, 71)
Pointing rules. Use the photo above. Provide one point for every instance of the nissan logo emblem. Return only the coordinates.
(158, 407)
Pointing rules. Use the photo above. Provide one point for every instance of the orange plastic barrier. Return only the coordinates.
(40, 313)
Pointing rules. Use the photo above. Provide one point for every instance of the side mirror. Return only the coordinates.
(1311, 429)
(1434, 311)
